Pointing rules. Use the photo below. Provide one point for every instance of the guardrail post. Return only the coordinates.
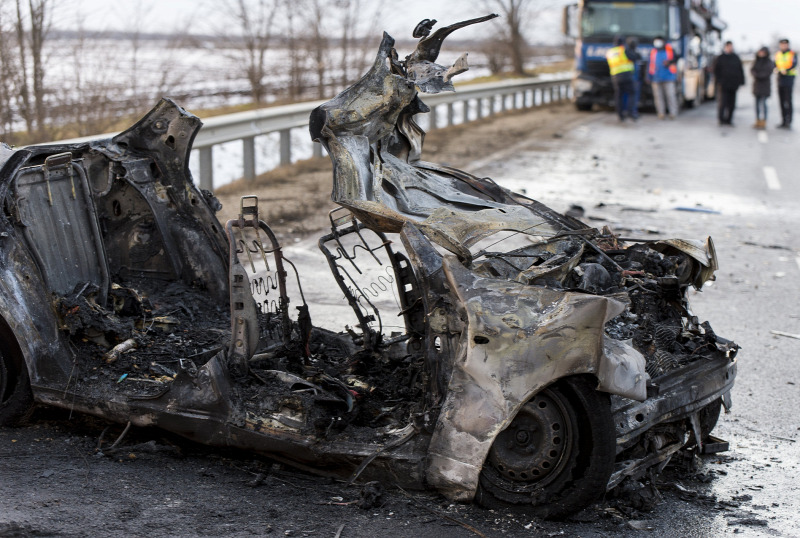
(286, 147)
(316, 149)
(432, 119)
(249, 157)
(451, 114)
(552, 93)
(207, 168)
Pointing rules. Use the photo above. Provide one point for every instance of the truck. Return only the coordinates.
(692, 27)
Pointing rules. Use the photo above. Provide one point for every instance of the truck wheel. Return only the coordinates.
(16, 398)
(583, 107)
(557, 454)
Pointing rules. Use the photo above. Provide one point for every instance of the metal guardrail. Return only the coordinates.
(246, 126)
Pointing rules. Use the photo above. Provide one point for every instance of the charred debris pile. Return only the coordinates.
(137, 342)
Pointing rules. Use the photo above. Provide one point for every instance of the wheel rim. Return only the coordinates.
(533, 450)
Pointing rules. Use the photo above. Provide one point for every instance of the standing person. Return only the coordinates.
(786, 65)
(729, 75)
(762, 87)
(662, 74)
(621, 68)
(632, 46)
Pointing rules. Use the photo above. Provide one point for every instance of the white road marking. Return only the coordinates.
(762, 137)
(771, 175)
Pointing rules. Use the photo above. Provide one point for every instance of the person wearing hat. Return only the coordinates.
(786, 66)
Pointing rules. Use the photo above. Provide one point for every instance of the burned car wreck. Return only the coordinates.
(539, 362)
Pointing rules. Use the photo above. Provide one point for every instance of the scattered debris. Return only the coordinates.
(787, 335)
(749, 522)
(762, 245)
(698, 210)
(371, 496)
(575, 211)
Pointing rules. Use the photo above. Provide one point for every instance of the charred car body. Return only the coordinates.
(540, 362)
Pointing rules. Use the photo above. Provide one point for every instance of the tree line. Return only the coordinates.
(323, 45)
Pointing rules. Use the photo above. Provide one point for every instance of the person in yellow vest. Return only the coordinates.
(786, 66)
(621, 68)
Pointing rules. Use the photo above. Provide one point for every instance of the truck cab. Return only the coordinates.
(690, 26)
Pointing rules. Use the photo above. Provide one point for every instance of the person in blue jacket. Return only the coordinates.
(662, 73)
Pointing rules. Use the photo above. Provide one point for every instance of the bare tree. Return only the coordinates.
(356, 19)
(249, 37)
(32, 26)
(7, 72)
(516, 17)
(87, 105)
(39, 27)
(318, 43)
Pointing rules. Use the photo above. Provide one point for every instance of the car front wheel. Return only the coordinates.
(557, 454)
(16, 398)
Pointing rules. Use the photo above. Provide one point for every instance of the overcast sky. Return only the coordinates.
(751, 23)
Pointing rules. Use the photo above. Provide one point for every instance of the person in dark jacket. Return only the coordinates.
(632, 47)
(729, 75)
(761, 70)
(786, 66)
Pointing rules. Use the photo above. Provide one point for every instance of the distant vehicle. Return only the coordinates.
(692, 27)
(525, 358)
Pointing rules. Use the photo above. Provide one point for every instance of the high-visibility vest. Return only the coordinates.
(670, 56)
(618, 61)
(784, 61)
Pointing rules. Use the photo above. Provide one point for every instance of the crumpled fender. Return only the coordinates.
(518, 339)
(26, 312)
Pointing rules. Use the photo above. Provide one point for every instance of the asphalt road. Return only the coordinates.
(735, 184)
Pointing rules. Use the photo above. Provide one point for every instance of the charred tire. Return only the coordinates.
(557, 454)
(16, 398)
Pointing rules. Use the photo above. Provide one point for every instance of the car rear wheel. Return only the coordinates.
(16, 399)
(557, 454)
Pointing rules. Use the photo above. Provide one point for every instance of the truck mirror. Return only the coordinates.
(569, 22)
